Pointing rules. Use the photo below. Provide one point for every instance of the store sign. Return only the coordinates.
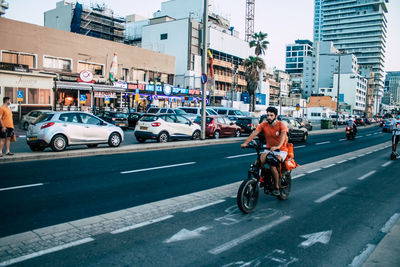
(85, 76)
(140, 86)
(105, 94)
(122, 85)
(177, 90)
(167, 89)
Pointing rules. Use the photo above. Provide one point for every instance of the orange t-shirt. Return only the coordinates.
(6, 117)
(273, 133)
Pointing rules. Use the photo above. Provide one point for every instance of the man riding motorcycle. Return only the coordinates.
(351, 124)
(395, 128)
(275, 133)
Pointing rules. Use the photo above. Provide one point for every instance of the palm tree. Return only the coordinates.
(259, 42)
(253, 66)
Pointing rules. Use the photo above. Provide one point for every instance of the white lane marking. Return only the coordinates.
(352, 158)
(243, 155)
(46, 251)
(342, 161)
(315, 170)
(244, 238)
(138, 225)
(204, 206)
(359, 136)
(157, 168)
(298, 176)
(342, 139)
(359, 260)
(299, 146)
(368, 153)
(361, 155)
(387, 163)
(330, 165)
(366, 175)
(22, 136)
(21, 186)
(320, 237)
(322, 143)
(376, 133)
(390, 223)
(369, 134)
(328, 196)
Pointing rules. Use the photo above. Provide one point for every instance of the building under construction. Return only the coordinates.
(96, 21)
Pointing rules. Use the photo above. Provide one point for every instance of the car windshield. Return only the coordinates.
(152, 110)
(180, 112)
(211, 111)
(149, 118)
(238, 113)
(119, 115)
(44, 117)
(198, 120)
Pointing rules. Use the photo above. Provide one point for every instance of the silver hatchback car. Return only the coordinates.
(61, 129)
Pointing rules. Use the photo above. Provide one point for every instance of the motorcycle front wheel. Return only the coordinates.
(247, 196)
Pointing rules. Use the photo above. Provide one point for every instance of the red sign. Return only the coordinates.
(85, 76)
(139, 86)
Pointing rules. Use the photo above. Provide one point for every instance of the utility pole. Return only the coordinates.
(338, 86)
(204, 70)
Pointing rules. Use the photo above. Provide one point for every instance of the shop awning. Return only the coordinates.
(88, 86)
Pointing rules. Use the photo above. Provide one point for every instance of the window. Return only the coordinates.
(44, 96)
(69, 117)
(180, 119)
(19, 58)
(88, 119)
(96, 69)
(57, 63)
(164, 36)
(33, 96)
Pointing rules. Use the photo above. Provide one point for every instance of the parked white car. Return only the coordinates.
(165, 127)
(61, 129)
(31, 117)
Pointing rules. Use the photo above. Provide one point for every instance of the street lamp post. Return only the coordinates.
(204, 70)
(338, 86)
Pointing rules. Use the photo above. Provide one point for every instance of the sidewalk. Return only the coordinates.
(387, 252)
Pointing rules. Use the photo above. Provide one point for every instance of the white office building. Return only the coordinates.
(318, 20)
(359, 27)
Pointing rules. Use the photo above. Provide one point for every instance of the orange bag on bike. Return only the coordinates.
(290, 164)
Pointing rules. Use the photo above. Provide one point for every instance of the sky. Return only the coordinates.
(283, 20)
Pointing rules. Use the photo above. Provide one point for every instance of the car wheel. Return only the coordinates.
(92, 145)
(237, 133)
(217, 135)
(58, 143)
(196, 135)
(114, 140)
(163, 137)
(140, 139)
(26, 125)
(305, 137)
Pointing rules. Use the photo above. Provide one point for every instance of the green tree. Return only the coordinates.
(253, 66)
(259, 42)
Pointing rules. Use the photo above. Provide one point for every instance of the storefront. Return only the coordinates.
(32, 89)
(89, 97)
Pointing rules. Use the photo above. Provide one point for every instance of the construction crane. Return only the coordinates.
(250, 8)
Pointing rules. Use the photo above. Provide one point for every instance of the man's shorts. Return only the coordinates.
(8, 133)
(395, 139)
(282, 154)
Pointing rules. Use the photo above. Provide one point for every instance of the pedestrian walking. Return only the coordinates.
(7, 126)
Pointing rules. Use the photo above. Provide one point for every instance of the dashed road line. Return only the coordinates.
(343, 139)
(328, 196)
(387, 163)
(46, 251)
(204, 206)
(342, 161)
(390, 223)
(242, 155)
(315, 170)
(299, 146)
(360, 259)
(21, 186)
(369, 134)
(366, 175)
(138, 225)
(330, 165)
(298, 176)
(352, 158)
(157, 168)
(322, 143)
(244, 238)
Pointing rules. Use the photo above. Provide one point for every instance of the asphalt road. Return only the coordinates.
(81, 187)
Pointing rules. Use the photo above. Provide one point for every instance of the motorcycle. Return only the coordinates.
(259, 177)
(350, 134)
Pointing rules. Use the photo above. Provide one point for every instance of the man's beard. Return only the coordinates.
(270, 121)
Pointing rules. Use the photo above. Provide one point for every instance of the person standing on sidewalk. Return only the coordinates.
(7, 126)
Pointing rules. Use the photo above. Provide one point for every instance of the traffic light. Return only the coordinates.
(3, 7)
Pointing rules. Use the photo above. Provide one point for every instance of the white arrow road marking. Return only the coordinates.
(161, 167)
(320, 237)
(244, 238)
(185, 234)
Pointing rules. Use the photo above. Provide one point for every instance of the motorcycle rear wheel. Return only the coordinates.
(286, 186)
(247, 196)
